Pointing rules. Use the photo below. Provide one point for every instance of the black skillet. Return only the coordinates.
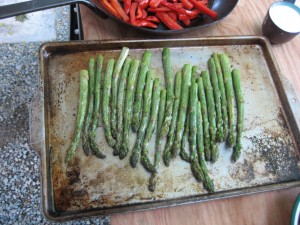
(222, 7)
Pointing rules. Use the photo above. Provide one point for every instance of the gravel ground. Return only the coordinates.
(20, 194)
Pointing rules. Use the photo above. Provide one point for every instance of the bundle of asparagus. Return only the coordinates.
(195, 110)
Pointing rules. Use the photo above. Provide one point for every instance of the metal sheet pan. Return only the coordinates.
(90, 186)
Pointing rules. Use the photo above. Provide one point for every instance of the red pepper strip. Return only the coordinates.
(117, 6)
(152, 19)
(145, 23)
(182, 17)
(187, 4)
(127, 4)
(168, 21)
(132, 12)
(204, 9)
(194, 14)
(139, 12)
(160, 9)
(176, 8)
(179, 4)
(187, 22)
(173, 15)
(174, 1)
(109, 8)
(154, 3)
(144, 14)
(144, 4)
(205, 2)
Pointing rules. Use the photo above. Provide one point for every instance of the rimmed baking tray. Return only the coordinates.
(90, 186)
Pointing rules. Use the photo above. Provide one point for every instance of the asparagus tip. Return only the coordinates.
(134, 158)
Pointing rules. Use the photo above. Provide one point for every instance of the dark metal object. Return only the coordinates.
(272, 31)
(91, 187)
(76, 31)
(222, 7)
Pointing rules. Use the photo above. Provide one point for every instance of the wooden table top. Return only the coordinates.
(265, 208)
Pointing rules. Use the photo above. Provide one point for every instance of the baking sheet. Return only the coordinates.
(91, 186)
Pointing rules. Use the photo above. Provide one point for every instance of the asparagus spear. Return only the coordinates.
(161, 114)
(211, 114)
(170, 140)
(207, 181)
(206, 135)
(196, 169)
(87, 123)
(168, 72)
(223, 94)
(184, 98)
(151, 125)
(128, 106)
(96, 109)
(120, 102)
(240, 113)
(135, 155)
(81, 111)
(114, 90)
(137, 107)
(217, 95)
(230, 96)
(105, 103)
(185, 138)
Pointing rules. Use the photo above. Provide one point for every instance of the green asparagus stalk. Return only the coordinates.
(151, 125)
(114, 90)
(135, 155)
(206, 134)
(196, 169)
(211, 114)
(223, 94)
(207, 181)
(161, 114)
(240, 113)
(217, 95)
(137, 107)
(171, 134)
(87, 125)
(96, 109)
(105, 102)
(185, 138)
(128, 107)
(120, 102)
(168, 73)
(81, 111)
(184, 98)
(230, 96)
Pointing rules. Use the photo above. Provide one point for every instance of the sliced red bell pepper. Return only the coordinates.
(173, 15)
(168, 21)
(174, 1)
(187, 22)
(204, 9)
(144, 4)
(109, 8)
(145, 23)
(152, 19)
(127, 4)
(194, 14)
(132, 12)
(139, 12)
(144, 14)
(154, 3)
(182, 17)
(187, 4)
(159, 9)
(176, 8)
(117, 6)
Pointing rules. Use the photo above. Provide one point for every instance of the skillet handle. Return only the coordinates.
(37, 5)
